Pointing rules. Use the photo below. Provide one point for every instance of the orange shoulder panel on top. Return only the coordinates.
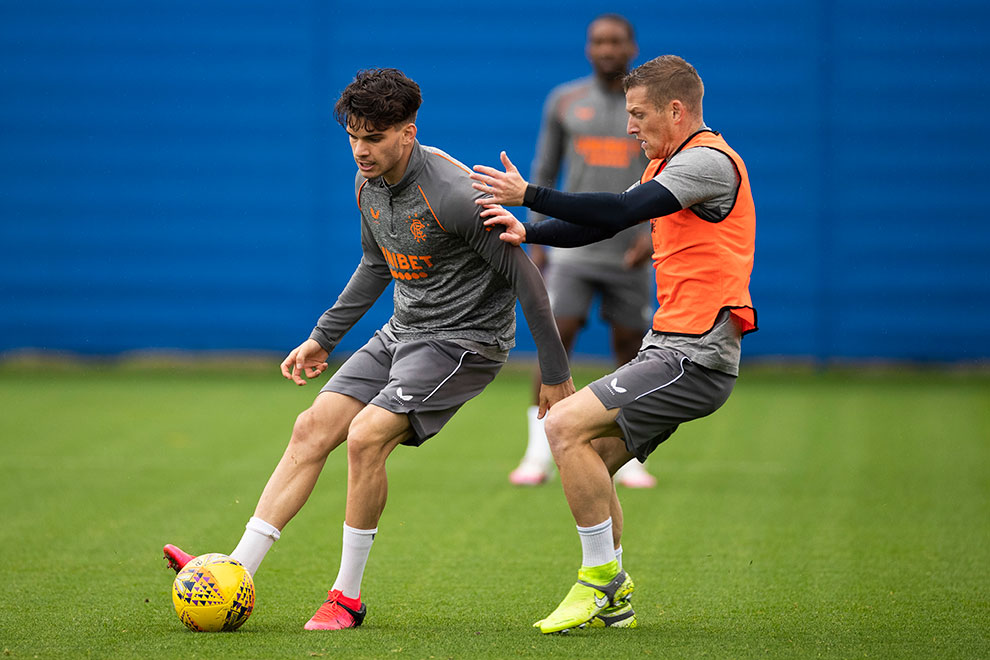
(449, 160)
(358, 196)
(567, 99)
(430, 207)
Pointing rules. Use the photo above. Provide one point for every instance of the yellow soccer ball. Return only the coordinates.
(213, 592)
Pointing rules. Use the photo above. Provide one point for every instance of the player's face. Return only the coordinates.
(610, 48)
(653, 127)
(381, 152)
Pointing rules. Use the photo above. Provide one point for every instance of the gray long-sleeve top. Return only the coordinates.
(454, 279)
(583, 133)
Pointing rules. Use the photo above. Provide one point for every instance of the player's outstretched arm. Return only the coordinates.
(611, 211)
(549, 232)
(307, 358)
(506, 187)
(551, 394)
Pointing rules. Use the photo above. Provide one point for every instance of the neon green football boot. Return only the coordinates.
(620, 615)
(597, 587)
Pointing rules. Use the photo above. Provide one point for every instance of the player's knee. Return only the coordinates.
(365, 442)
(560, 429)
(312, 439)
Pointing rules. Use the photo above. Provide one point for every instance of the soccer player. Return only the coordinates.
(696, 194)
(456, 286)
(583, 133)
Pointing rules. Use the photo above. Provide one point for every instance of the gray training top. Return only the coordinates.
(454, 279)
(584, 129)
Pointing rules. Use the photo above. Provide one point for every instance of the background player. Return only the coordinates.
(453, 324)
(583, 133)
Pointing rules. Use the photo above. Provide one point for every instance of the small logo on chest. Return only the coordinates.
(418, 228)
(584, 113)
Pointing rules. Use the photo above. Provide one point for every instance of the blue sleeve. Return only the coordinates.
(604, 210)
(583, 218)
(557, 233)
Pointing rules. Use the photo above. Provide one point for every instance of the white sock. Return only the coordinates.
(255, 544)
(618, 556)
(353, 556)
(537, 447)
(596, 544)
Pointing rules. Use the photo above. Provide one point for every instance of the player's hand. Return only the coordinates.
(551, 394)
(514, 232)
(307, 358)
(506, 187)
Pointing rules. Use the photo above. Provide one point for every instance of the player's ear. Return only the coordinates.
(408, 133)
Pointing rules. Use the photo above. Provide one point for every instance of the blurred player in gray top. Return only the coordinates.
(456, 286)
(583, 141)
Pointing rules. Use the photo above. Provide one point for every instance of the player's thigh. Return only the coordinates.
(570, 290)
(580, 418)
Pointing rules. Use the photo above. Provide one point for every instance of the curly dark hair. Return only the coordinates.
(378, 98)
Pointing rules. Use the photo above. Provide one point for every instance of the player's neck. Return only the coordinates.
(394, 175)
(683, 135)
(612, 83)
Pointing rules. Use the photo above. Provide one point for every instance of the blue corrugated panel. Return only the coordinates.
(170, 175)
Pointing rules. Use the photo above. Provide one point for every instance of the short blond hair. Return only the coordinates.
(667, 78)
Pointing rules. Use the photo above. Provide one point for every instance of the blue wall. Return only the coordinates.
(170, 176)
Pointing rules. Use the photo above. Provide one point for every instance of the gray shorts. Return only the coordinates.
(626, 295)
(658, 390)
(427, 380)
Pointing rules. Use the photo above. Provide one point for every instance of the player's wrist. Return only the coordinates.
(526, 231)
(530, 195)
(322, 340)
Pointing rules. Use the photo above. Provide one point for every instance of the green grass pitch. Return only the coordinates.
(835, 515)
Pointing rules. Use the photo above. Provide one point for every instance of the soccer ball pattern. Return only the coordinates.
(213, 592)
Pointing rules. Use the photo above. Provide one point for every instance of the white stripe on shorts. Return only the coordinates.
(674, 380)
(450, 375)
